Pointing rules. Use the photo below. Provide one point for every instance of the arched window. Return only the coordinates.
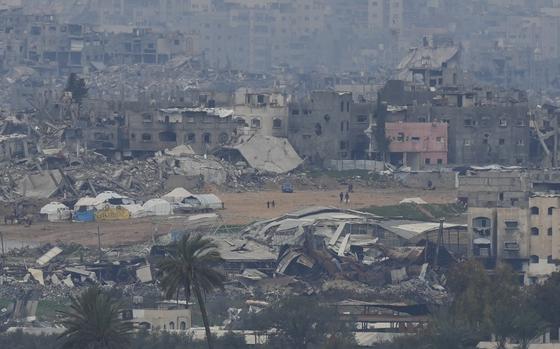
(481, 222)
(550, 210)
(534, 259)
(255, 123)
(207, 138)
(183, 326)
(171, 325)
(534, 210)
(276, 123)
(534, 231)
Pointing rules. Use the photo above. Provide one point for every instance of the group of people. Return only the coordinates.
(344, 197)
(270, 204)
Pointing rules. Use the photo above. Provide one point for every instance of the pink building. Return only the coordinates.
(417, 144)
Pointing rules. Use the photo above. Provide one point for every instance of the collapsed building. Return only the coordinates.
(353, 244)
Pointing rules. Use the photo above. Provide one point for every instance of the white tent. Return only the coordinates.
(106, 195)
(112, 199)
(158, 207)
(56, 212)
(176, 195)
(136, 211)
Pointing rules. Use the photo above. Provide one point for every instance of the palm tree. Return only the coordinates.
(190, 267)
(94, 322)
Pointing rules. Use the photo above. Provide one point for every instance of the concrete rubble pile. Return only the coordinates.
(332, 251)
(64, 270)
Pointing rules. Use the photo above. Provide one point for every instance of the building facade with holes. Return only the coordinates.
(526, 237)
(203, 129)
(168, 318)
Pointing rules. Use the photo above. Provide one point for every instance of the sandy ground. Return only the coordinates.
(240, 209)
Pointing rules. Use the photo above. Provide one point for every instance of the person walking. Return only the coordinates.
(268, 204)
(347, 197)
(341, 197)
(273, 204)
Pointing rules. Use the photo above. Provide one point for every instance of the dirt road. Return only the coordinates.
(240, 208)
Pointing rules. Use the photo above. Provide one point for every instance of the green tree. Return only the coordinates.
(527, 323)
(191, 267)
(469, 285)
(94, 322)
(77, 86)
(504, 293)
(302, 322)
(546, 301)
(446, 331)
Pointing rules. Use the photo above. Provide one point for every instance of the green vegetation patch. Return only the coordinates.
(410, 211)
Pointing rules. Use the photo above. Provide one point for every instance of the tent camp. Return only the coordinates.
(157, 207)
(56, 212)
(202, 202)
(136, 210)
(176, 195)
(110, 198)
(84, 209)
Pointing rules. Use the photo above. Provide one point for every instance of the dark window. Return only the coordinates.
(255, 123)
(147, 118)
(549, 260)
(362, 118)
(348, 106)
(534, 231)
(534, 210)
(168, 136)
(341, 106)
(276, 123)
(534, 259)
(549, 232)
(318, 129)
(342, 145)
(146, 137)
(207, 138)
(191, 138)
(550, 210)
(439, 161)
(342, 126)
(427, 161)
(502, 141)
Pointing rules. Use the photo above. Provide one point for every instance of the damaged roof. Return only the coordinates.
(270, 154)
(232, 249)
(425, 58)
(411, 229)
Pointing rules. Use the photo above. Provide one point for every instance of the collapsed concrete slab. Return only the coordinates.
(263, 153)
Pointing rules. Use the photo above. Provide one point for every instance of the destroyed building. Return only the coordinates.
(265, 113)
(202, 129)
(329, 126)
(484, 125)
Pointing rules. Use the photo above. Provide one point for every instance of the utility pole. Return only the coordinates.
(439, 241)
(99, 242)
(3, 258)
